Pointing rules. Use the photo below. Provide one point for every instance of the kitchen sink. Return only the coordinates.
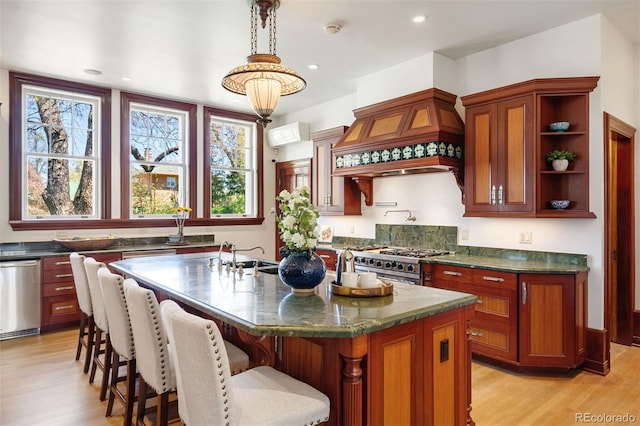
(271, 270)
(264, 266)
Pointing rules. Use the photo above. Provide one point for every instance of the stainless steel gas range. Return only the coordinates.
(395, 264)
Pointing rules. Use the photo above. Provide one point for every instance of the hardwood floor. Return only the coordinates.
(42, 384)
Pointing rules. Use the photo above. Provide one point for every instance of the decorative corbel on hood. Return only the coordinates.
(416, 133)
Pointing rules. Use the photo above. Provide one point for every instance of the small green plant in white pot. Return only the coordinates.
(559, 159)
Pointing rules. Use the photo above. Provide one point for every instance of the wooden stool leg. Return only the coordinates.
(91, 326)
(107, 368)
(82, 331)
(162, 416)
(142, 401)
(96, 354)
(130, 384)
(114, 383)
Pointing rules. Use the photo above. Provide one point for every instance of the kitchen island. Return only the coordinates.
(401, 359)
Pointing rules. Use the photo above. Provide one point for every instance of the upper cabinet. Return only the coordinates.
(332, 195)
(507, 139)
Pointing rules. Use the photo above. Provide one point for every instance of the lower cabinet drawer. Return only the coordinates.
(494, 340)
(58, 309)
(496, 304)
(59, 289)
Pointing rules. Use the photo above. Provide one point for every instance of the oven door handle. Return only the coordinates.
(395, 280)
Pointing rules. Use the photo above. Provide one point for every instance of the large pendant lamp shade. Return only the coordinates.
(263, 80)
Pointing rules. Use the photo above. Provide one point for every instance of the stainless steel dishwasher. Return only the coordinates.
(19, 298)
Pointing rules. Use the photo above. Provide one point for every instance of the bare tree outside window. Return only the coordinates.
(59, 149)
(158, 162)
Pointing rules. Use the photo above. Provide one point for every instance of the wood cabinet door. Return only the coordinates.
(332, 195)
(481, 159)
(515, 155)
(547, 320)
(499, 168)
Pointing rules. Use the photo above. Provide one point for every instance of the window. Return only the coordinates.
(158, 138)
(233, 165)
(59, 151)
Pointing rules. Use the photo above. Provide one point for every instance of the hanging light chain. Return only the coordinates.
(254, 30)
(272, 31)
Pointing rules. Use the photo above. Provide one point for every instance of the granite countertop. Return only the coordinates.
(38, 250)
(27, 251)
(263, 305)
(509, 265)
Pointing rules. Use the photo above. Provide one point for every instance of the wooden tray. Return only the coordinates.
(384, 290)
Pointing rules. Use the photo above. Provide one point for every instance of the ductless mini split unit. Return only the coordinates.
(288, 134)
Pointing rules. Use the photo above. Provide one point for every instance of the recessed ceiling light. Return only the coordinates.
(312, 66)
(126, 78)
(91, 71)
(332, 28)
(418, 19)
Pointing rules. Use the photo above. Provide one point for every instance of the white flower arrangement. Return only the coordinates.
(298, 219)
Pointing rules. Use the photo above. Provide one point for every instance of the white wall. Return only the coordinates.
(435, 198)
(242, 236)
(620, 97)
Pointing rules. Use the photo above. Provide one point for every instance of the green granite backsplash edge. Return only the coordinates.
(446, 238)
(124, 244)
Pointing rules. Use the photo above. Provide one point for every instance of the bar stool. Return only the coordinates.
(102, 327)
(152, 352)
(121, 338)
(209, 395)
(87, 327)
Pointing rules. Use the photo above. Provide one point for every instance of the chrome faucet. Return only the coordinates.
(234, 250)
(410, 218)
(224, 244)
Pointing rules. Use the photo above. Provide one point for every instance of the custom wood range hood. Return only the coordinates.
(416, 133)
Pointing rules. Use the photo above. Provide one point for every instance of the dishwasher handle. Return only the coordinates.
(19, 264)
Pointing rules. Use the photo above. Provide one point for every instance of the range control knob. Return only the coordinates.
(387, 265)
(372, 261)
(379, 263)
(410, 268)
(400, 266)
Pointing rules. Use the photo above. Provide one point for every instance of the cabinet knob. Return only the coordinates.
(524, 292)
(452, 273)
(493, 194)
(500, 195)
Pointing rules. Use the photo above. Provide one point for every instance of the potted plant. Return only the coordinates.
(559, 159)
(301, 268)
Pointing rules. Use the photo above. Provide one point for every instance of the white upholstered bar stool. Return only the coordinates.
(152, 352)
(209, 395)
(102, 345)
(121, 338)
(87, 328)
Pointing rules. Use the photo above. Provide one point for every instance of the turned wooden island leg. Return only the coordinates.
(352, 394)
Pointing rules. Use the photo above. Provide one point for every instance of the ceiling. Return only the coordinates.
(182, 49)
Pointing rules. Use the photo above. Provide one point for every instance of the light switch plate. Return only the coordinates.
(525, 238)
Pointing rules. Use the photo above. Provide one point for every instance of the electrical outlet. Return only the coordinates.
(464, 234)
(352, 229)
(525, 238)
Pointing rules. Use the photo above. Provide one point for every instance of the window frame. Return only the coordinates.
(126, 99)
(258, 218)
(105, 220)
(16, 190)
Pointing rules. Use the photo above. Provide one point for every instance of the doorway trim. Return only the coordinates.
(613, 128)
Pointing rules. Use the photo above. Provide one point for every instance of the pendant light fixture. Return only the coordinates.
(263, 80)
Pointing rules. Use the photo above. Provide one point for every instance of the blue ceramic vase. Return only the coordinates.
(302, 270)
